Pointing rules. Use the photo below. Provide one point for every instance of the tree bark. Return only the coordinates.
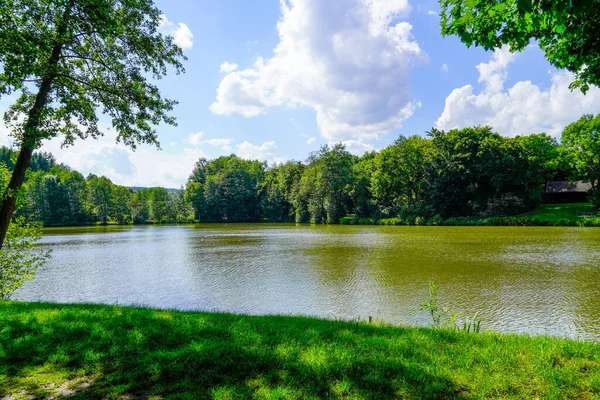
(29, 142)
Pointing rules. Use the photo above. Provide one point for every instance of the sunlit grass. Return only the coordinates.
(89, 351)
(557, 212)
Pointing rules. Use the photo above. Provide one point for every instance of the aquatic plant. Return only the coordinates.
(443, 318)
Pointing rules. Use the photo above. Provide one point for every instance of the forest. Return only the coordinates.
(418, 179)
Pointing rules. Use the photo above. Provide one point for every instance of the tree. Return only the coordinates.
(70, 59)
(140, 208)
(194, 190)
(568, 31)
(121, 210)
(581, 145)
(159, 204)
(325, 186)
(401, 174)
(101, 197)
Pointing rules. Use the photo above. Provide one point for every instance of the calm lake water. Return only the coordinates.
(530, 280)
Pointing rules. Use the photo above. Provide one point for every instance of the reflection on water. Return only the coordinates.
(531, 280)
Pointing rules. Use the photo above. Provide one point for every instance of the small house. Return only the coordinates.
(567, 192)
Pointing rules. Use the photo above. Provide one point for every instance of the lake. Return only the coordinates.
(536, 280)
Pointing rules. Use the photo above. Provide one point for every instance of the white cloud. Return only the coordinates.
(357, 147)
(147, 166)
(264, 152)
(5, 138)
(445, 67)
(348, 60)
(195, 139)
(228, 67)
(311, 140)
(431, 12)
(522, 109)
(182, 35)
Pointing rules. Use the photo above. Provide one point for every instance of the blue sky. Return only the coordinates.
(311, 72)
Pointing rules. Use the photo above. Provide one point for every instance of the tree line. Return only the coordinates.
(56, 195)
(462, 172)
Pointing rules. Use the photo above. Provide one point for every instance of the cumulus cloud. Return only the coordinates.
(522, 109)
(264, 152)
(182, 35)
(445, 67)
(311, 140)
(348, 60)
(195, 139)
(228, 67)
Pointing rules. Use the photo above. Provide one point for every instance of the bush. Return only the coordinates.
(347, 221)
(506, 204)
(18, 259)
(390, 221)
(436, 220)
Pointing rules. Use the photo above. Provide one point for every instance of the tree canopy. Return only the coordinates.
(71, 61)
(567, 30)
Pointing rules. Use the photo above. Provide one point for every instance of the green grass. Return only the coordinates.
(91, 351)
(557, 212)
(579, 214)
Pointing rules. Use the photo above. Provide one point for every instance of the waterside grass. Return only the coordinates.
(578, 214)
(93, 351)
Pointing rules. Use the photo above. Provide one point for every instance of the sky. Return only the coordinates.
(275, 80)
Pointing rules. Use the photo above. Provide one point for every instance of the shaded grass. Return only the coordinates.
(110, 352)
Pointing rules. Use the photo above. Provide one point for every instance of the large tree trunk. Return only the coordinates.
(29, 142)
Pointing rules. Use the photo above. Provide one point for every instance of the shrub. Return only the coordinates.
(506, 204)
(390, 221)
(18, 259)
(347, 221)
(436, 220)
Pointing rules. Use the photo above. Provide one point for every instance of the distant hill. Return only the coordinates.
(170, 190)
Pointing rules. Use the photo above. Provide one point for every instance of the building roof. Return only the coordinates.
(568, 187)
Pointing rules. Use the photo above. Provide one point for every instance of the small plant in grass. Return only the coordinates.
(445, 319)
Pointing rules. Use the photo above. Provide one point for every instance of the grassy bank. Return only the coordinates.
(580, 214)
(88, 351)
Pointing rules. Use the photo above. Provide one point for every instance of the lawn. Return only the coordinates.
(91, 351)
(557, 212)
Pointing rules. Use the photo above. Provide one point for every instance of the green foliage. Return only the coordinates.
(471, 176)
(227, 189)
(566, 30)
(444, 319)
(19, 260)
(581, 147)
(39, 161)
(83, 55)
(101, 197)
(124, 352)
